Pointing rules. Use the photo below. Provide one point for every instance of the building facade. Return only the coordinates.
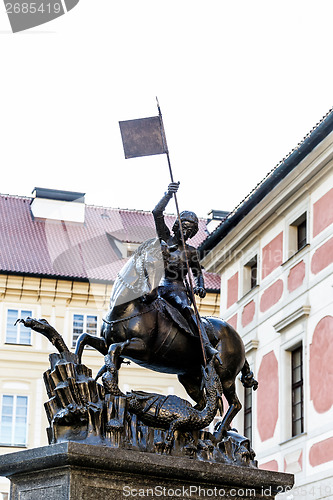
(274, 254)
(58, 261)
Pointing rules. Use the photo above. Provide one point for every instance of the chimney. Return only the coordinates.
(58, 205)
(215, 218)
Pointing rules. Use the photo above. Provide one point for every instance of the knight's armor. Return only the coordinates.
(173, 286)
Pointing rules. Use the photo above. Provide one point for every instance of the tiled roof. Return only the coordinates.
(75, 251)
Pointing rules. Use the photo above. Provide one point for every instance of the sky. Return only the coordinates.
(239, 83)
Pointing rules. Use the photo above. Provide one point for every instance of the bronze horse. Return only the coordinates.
(151, 333)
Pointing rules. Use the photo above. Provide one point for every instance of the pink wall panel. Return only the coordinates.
(232, 290)
(271, 296)
(296, 276)
(323, 213)
(321, 452)
(268, 396)
(233, 321)
(248, 313)
(271, 465)
(272, 255)
(322, 257)
(321, 365)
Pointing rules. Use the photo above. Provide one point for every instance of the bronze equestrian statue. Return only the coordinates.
(150, 320)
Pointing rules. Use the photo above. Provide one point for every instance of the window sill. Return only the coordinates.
(296, 254)
(293, 438)
(18, 343)
(13, 445)
(248, 294)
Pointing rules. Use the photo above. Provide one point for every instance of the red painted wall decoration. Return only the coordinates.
(248, 313)
(272, 255)
(323, 213)
(271, 296)
(233, 321)
(322, 257)
(268, 396)
(271, 465)
(321, 452)
(321, 365)
(296, 276)
(232, 290)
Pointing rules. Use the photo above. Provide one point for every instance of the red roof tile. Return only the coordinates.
(70, 250)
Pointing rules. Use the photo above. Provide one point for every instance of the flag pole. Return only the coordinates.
(182, 236)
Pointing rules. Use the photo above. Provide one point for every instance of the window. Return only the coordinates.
(297, 234)
(248, 412)
(250, 277)
(13, 423)
(301, 234)
(297, 391)
(83, 323)
(17, 334)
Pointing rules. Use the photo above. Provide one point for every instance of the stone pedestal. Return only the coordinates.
(75, 471)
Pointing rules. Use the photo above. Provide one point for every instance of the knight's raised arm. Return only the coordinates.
(161, 228)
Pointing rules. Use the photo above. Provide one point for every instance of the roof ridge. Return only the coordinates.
(16, 196)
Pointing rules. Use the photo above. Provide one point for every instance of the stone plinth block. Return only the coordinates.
(75, 471)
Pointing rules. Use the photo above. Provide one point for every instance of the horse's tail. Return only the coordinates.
(247, 377)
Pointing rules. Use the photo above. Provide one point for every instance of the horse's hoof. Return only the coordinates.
(159, 447)
(190, 450)
(168, 447)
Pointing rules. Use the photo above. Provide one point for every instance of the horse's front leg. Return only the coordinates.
(133, 348)
(97, 343)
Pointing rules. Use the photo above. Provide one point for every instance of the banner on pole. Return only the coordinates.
(142, 137)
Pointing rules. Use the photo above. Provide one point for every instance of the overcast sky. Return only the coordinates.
(240, 84)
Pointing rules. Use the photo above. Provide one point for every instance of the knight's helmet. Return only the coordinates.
(190, 217)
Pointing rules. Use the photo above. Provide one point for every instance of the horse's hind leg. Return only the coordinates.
(229, 390)
(97, 343)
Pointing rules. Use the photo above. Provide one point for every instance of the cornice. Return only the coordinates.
(299, 313)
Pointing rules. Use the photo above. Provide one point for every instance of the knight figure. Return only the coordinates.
(173, 286)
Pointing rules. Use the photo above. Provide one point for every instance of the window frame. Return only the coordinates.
(294, 220)
(12, 443)
(248, 410)
(250, 257)
(18, 326)
(295, 385)
(292, 337)
(248, 284)
(85, 329)
(294, 243)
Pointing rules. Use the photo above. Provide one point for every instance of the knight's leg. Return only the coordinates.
(190, 316)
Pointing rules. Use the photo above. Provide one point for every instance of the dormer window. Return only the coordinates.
(58, 205)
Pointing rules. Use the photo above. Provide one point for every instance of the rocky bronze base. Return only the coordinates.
(75, 471)
(79, 409)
